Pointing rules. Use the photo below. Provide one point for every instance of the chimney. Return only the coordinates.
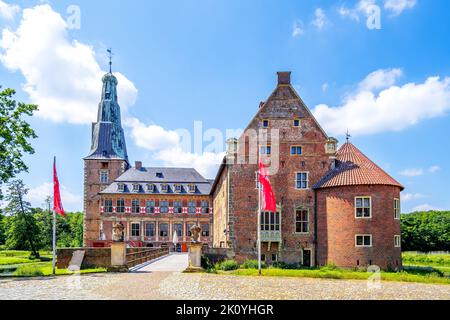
(284, 77)
(138, 165)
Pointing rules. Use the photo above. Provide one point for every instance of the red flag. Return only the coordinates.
(57, 205)
(268, 197)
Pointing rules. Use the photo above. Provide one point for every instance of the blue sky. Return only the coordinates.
(214, 61)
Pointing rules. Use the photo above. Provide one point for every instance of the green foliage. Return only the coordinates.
(426, 231)
(287, 266)
(15, 134)
(23, 231)
(28, 271)
(227, 265)
(253, 264)
(2, 229)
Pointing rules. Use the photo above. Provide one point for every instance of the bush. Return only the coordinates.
(253, 264)
(228, 265)
(287, 266)
(28, 271)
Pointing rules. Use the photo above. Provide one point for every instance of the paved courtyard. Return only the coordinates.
(154, 281)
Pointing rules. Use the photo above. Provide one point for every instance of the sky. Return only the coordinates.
(377, 68)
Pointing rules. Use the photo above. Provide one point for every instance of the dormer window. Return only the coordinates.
(177, 188)
(151, 187)
(265, 123)
(159, 175)
(107, 95)
(136, 187)
(192, 188)
(296, 123)
(121, 187)
(165, 188)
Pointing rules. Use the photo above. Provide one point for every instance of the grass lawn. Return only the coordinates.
(413, 275)
(19, 264)
(423, 259)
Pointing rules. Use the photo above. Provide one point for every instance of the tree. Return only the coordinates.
(15, 133)
(2, 229)
(23, 232)
(426, 231)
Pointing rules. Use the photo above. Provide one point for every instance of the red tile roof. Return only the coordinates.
(354, 168)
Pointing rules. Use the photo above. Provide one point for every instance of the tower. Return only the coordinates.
(107, 159)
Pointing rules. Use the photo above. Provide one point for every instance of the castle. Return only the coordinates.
(333, 206)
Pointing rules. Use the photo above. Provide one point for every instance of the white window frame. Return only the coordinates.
(267, 150)
(296, 154)
(136, 189)
(165, 188)
(178, 188)
(370, 207)
(139, 229)
(299, 123)
(397, 209)
(121, 187)
(399, 243)
(257, 183)
(302, 221)
(363, 246)
(102, 174)
(151, 187)
(192, 188)
(307, 180)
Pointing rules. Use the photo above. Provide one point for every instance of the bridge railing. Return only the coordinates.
(137, 256)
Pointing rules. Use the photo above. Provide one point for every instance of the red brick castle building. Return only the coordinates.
(334, 206)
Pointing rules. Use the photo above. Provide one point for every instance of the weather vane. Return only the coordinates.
(348, 136)
(110, 59)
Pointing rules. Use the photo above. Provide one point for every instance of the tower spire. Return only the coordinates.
(347, 136)
(110, 55)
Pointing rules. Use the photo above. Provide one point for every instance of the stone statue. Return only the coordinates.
(118, 232)
(195, 234)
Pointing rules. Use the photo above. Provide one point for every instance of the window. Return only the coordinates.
(192, 188)
(121, 187)
(364, 240)
(136, 187)
(165, 188)
(265, 123)
(164, 206)
(136, 229)
(104, 177)
(178, 228)
(160, 175)
(274, 257)
(205, 206)
(363, 207)
(270, 221)
(296, 122)
(105, 165)
(296, 150)
(397, 209)
(177, 207)
(263, 257)
(397, 241)
(120, 208)
(164, 230)
(192, 207)
(267, 150)
(302, 180)
(150, 229)
(108, 205)
(178, 188)
(150, 206)
(301, 221)
(205, 230)
(135, 206)
(151, 188)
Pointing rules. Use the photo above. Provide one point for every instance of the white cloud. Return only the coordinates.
(398, 6)
(394, 108)
(61, 75)
(297, 29)
(320, 19)
(38, 194)
(412, 172)
(425, 207)
(8, 11)
(380, 79)
(168, 146)
(325, 87)
(434, 169)
(412, 196)
(349, 13)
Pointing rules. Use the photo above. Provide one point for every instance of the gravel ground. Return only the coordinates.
(150, 285)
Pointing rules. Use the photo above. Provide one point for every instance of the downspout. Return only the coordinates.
(315, 228)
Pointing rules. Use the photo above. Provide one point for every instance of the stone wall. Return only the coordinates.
(93, 257)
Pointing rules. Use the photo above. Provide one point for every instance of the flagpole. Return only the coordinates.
(259, 214)
(54, 244)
